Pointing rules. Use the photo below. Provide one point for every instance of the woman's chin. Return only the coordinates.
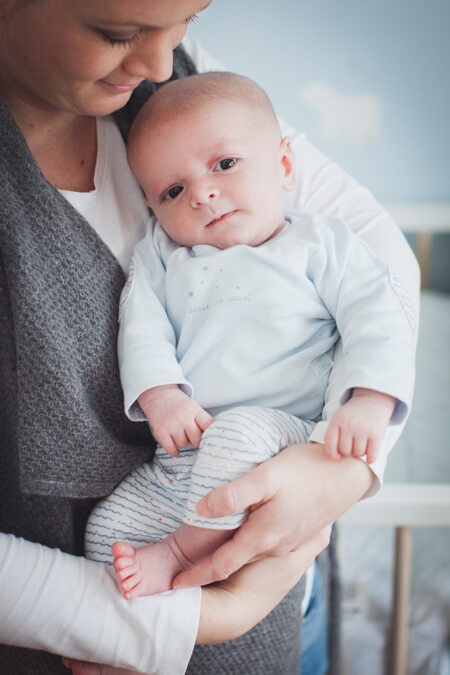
(108, 102)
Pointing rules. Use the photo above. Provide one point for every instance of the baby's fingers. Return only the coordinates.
(168, 444)
(372, 450)
(194, 434)
(331, 441)
(195, 430)
(359, 446)
(180, 438)
(203, 419)
(345, 445)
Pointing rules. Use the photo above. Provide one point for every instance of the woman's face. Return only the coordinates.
(87, 56)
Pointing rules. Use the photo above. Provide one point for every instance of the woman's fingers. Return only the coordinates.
(267, 531)
(252, 489)
(250, 542)
(275, 492)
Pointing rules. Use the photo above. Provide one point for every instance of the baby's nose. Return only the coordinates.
(202, 194)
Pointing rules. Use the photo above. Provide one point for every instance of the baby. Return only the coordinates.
(228, 324)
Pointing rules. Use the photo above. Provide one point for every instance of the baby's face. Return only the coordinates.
(216, 175)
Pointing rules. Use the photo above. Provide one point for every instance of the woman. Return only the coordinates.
(70, 217)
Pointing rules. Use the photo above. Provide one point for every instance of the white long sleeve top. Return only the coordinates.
(322, 187)
(60, 603)
(258, 325)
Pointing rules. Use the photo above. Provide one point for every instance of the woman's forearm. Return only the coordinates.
(67, 605)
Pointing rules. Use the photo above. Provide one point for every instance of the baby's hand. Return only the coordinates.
(358, 427)
(175, 419)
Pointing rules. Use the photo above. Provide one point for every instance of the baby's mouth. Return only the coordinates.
(221, 218)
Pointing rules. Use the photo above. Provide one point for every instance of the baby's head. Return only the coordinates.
(208, 153)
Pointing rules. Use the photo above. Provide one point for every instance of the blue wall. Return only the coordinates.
(381, 67)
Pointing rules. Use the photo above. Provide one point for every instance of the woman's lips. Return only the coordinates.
(119, 88)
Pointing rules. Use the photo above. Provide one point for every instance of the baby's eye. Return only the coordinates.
(225, 164)
(173, 192)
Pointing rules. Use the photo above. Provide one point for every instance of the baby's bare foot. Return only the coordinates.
(146, 570)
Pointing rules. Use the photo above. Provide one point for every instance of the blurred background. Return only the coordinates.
(368, 83)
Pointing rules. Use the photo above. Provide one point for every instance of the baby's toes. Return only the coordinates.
(121, 549)
(134, 592)
(127, 571)
(129, 585)
(122, 563)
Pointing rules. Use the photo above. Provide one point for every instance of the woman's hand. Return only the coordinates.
(291, 498)
(234, 606)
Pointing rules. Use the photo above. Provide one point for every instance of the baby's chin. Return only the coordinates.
(230, 239)
(236, 236)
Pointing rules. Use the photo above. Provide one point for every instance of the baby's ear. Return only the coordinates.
(288, 164)
(147, 203)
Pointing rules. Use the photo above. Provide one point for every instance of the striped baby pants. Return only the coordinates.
(153, 501)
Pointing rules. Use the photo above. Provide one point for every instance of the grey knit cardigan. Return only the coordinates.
(64, 439)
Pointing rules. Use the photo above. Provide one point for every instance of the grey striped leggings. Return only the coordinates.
(156, 498)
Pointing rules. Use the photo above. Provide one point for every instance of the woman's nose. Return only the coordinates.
(152, 56)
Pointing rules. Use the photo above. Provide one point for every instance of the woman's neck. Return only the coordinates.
(63, 144)
(67, 153)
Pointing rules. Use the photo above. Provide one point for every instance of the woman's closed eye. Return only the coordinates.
(225, 164)
(125, 40)
(119, 40)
